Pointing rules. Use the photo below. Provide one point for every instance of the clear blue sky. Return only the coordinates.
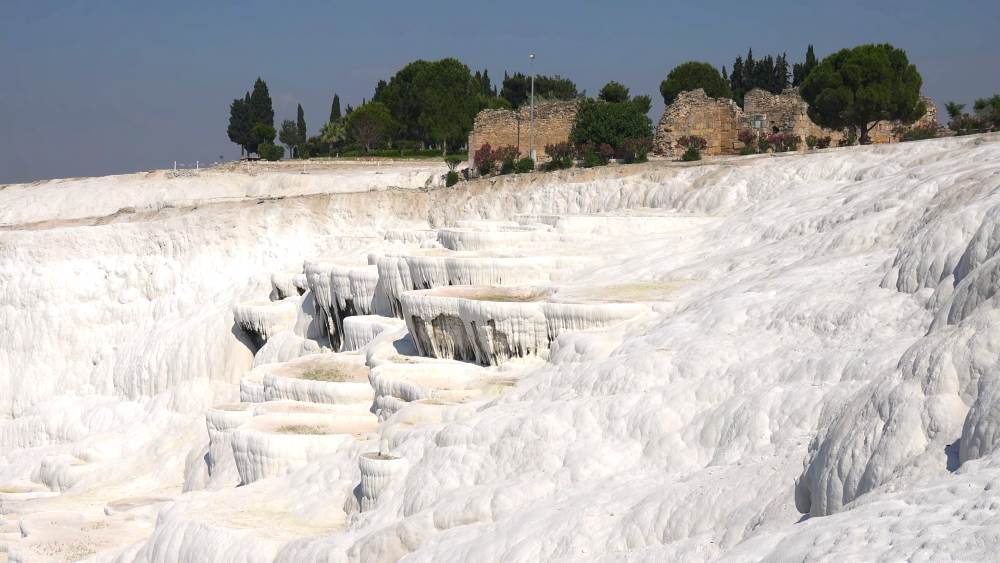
(99, 87)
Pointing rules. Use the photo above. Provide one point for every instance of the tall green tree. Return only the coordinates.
(780, 75)
(446, 97)
(239, 123)
(260, 134)
(801, 70)
(614, 92)
(613, 123)
(371, 124)
(289, 135)
(988, 111)
(954, 109)
(691, 76)
(261, 110)
(300, 126)
(859, 87)
(402, 97)
(516, 88)
(335, 109)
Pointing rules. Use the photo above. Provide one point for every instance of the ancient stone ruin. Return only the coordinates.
(501, 127)
(719, 121)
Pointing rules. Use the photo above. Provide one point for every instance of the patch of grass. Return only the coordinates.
(328, 375)
(505, 297)
(302, 429)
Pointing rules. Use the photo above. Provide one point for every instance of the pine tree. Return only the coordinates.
(348, 110)
(261, 110)
(300, 124)
(335, 109)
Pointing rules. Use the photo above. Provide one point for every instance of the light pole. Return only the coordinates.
(531, 121)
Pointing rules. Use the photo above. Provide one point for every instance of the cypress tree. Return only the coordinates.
(261, 110)
(736, 81)
(487, 85)
(300, 123)
(239, 123)
(780, 81)
(800, 71)
(335, 109)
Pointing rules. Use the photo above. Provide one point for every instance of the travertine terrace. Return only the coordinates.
(762, 358)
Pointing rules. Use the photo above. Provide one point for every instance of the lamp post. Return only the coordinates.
(531, 121)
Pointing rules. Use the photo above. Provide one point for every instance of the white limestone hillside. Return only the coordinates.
(767, 358)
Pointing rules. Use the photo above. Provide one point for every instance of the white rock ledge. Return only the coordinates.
(321, 285)
(356, 291)
(397, 384)
(263, 319)
(286, 284)
(379, 471)
(221, 421)
(490, 325)
(472, 239)
(319, 378)
(360, 330)
(275, 443)
(429, 269)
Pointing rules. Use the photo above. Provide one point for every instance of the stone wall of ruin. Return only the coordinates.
(718, 121)
(500, 128)
(787, 112)
(893, 131)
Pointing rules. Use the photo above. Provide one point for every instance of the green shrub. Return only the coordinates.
(453, 161)
(694, 145)
(783, 142)
(485, 160)
(267, 151)
(635, 150)
(920, 133)
(747, 149)
(823, 142)
(812, 141)
(595, 155)
(691, 154)
(524, 166)
(691, 76)
(561, 154)
(506, 156)
(302, 151)
(600, 122)
(451, 179)
(850, 140)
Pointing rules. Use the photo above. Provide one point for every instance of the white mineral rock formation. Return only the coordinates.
(360, 330)
(263, 319)
(771, 358)
(490, 325)
(281, 439)
(378, 472)
(287, 284)
(319, 378)
(221, 421)
(434, 268)
(473, 239)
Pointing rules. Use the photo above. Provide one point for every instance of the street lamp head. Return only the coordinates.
(531, 56)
